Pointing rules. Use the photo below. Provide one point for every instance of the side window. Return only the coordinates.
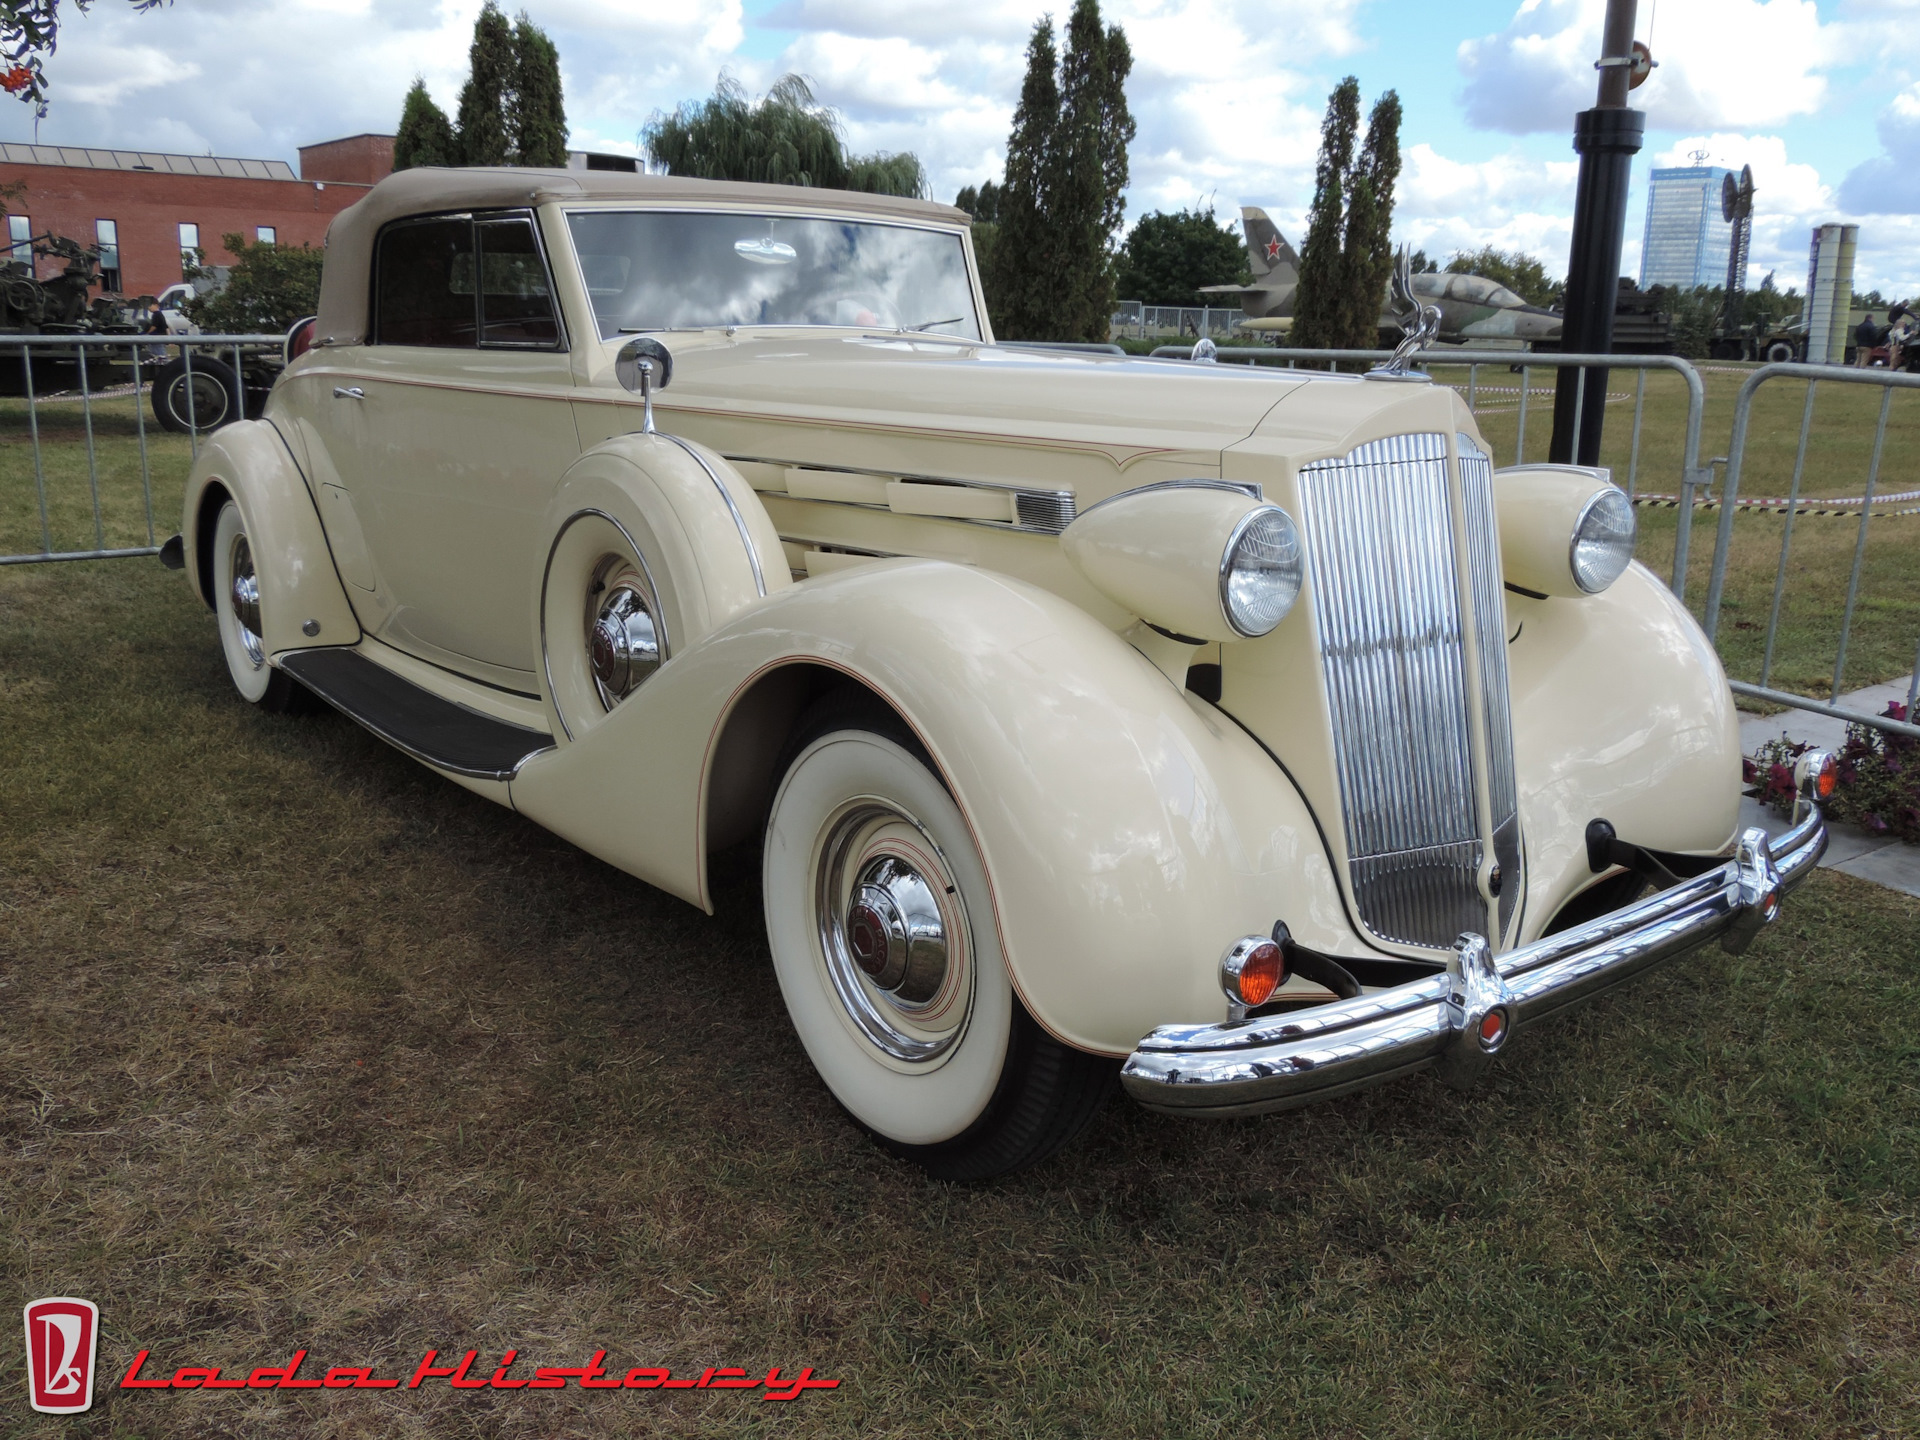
(424, 284)
(516, 304)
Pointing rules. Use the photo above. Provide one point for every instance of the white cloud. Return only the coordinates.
(1227, 94)
(1890, 182)
(1722, 63)
(130, 71)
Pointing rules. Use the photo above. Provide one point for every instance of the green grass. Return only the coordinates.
(302, 1046)
(71, 479)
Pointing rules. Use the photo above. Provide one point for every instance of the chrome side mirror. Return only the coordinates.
(643, 366)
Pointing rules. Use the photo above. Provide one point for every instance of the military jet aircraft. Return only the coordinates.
(1472, 307)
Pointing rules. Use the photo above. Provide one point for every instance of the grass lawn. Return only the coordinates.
(304, 1047)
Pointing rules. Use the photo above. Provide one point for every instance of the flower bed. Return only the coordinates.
(1878, 778)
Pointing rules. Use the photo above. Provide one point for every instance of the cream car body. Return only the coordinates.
(878, 510)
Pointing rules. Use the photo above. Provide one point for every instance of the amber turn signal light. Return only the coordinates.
(1251, 970)
(1817, 774)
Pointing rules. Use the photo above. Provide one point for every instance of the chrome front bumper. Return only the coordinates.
(1459, 1017)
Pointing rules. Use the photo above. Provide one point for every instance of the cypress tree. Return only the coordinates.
(1368, 259)
(485, 137)
(538, 113)
(1317, 310)
(425, 136)
(1090, 177)
(1020, 282)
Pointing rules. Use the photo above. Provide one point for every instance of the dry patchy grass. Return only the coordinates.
(301, 1045)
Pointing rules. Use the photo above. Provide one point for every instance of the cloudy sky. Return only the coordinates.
(1821, 97)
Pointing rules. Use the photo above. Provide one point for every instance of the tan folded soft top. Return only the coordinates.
(343, 288)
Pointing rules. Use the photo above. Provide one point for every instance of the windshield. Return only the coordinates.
(658, 270)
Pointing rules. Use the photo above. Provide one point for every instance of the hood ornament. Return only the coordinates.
(1419, 323)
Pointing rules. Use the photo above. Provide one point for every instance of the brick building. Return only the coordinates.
(144, 209)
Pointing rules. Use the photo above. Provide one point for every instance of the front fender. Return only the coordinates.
(298, 582)
(1621, 712)
(1131, 831)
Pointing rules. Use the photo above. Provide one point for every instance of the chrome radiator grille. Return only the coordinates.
(1387, 601)
(1490, 630)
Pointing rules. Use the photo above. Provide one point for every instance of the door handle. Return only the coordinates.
(348, 392)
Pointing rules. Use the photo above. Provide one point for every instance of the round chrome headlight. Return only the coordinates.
(1260, 571)
(1603, 539)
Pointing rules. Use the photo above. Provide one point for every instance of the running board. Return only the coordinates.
(446, 735)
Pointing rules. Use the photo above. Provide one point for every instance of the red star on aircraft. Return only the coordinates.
(1273, 249)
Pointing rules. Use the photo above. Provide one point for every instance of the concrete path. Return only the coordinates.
(1850, 850)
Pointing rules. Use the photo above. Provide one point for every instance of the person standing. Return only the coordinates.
(1865, 336)
(1901, 326)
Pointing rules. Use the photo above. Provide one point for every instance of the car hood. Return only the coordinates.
(877, 391)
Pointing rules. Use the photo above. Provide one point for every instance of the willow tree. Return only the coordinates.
(788, 138)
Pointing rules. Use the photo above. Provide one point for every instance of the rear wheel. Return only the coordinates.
(206, 401)
(236, 605)
(884, 943)
(1779, 352)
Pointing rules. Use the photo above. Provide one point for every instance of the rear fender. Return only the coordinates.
(302, 602)
(1131, 831)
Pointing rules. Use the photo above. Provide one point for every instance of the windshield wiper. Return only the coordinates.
(950, 320)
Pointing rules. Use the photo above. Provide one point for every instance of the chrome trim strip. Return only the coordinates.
(739, 520)
(1243, 487)
(1026, 497)
(1296, 1059)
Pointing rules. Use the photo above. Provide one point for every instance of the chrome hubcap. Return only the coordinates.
(892, 932)
(895, 932)
(244, 591)
(623, 648)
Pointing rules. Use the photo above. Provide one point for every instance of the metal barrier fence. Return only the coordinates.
(1815, 376)
(54, 350)
(1693, 475)
(1131, 317)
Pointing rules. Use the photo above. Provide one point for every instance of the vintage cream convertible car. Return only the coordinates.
(1246, 732)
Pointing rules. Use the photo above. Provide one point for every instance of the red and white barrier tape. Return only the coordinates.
(1806, 505)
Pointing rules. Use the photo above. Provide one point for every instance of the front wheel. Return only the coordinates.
(236, 606)
(1779, 352)
(882, 930)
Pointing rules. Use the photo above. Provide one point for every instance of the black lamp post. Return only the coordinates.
(1607, 137)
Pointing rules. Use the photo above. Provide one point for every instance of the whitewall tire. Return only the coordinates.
(236, 607)
(880, 921)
